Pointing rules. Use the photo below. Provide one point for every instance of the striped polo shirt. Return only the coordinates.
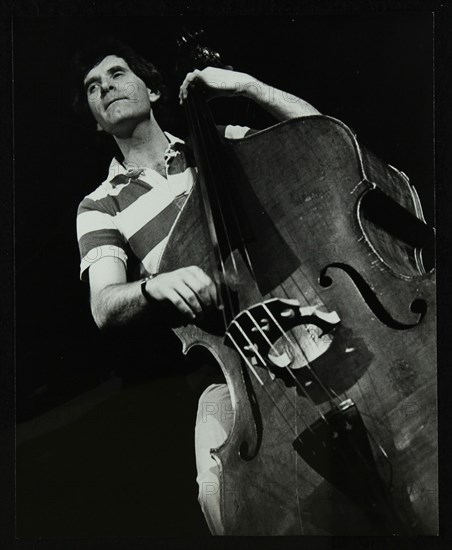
(130, 215)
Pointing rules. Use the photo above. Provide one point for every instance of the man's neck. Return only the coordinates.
(145, 147)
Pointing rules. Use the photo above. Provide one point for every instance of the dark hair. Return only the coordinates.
(87, 58)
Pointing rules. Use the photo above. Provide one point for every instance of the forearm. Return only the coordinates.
(173, 298)
(222, 82)
(281, 105)
(118, 305)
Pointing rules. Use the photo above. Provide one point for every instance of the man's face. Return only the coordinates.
(117, 97)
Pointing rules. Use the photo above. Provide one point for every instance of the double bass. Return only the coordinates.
(326, 338)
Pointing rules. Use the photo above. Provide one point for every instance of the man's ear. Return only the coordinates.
(153, 96)
(99, 128)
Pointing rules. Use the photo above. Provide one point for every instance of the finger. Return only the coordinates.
(180, 304)
(190, 298)
(203, 287)
(208, 288)
(190, 78)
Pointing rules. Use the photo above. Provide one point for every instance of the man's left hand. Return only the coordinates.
(220, 82)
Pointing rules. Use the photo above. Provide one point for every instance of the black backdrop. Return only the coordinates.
(372, 71)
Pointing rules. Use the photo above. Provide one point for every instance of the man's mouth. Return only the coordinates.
(114, 101)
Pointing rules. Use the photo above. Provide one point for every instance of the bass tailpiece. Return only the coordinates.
(337, 447)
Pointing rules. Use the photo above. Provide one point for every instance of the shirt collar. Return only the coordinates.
(118, 174)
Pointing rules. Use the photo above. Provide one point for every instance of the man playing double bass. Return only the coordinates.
(123, 225)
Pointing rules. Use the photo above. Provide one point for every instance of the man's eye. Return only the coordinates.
(117, 73)
(92, 88)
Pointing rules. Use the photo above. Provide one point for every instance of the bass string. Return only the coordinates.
(192, 108)
(199, 136)
(279, 384)
(308, 365)
(359, 389)
(300, 291)
(368, 432)
(223, 270)
(193, 119)
(272, 347)
(214, 237)
(225, 228)
(264, 386)
(282, 332)
(293, 427)
(264, 364)
(356, 447)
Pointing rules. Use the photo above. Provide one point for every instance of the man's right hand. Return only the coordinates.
(189, 289)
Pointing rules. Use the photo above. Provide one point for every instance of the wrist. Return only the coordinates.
(247, 86)
(144, 290)
(252, 89)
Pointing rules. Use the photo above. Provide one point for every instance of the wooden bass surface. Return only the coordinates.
(358, 317)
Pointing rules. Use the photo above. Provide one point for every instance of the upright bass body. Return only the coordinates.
(331, 363)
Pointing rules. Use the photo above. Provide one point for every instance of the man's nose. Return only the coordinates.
(106, 86)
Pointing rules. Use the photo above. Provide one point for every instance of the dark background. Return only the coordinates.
(104, 473)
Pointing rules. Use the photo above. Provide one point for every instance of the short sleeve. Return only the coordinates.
(235, 132)
(98, 237)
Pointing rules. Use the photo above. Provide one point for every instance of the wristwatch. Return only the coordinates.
(145, 293)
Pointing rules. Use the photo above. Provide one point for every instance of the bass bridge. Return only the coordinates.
(280, 333)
